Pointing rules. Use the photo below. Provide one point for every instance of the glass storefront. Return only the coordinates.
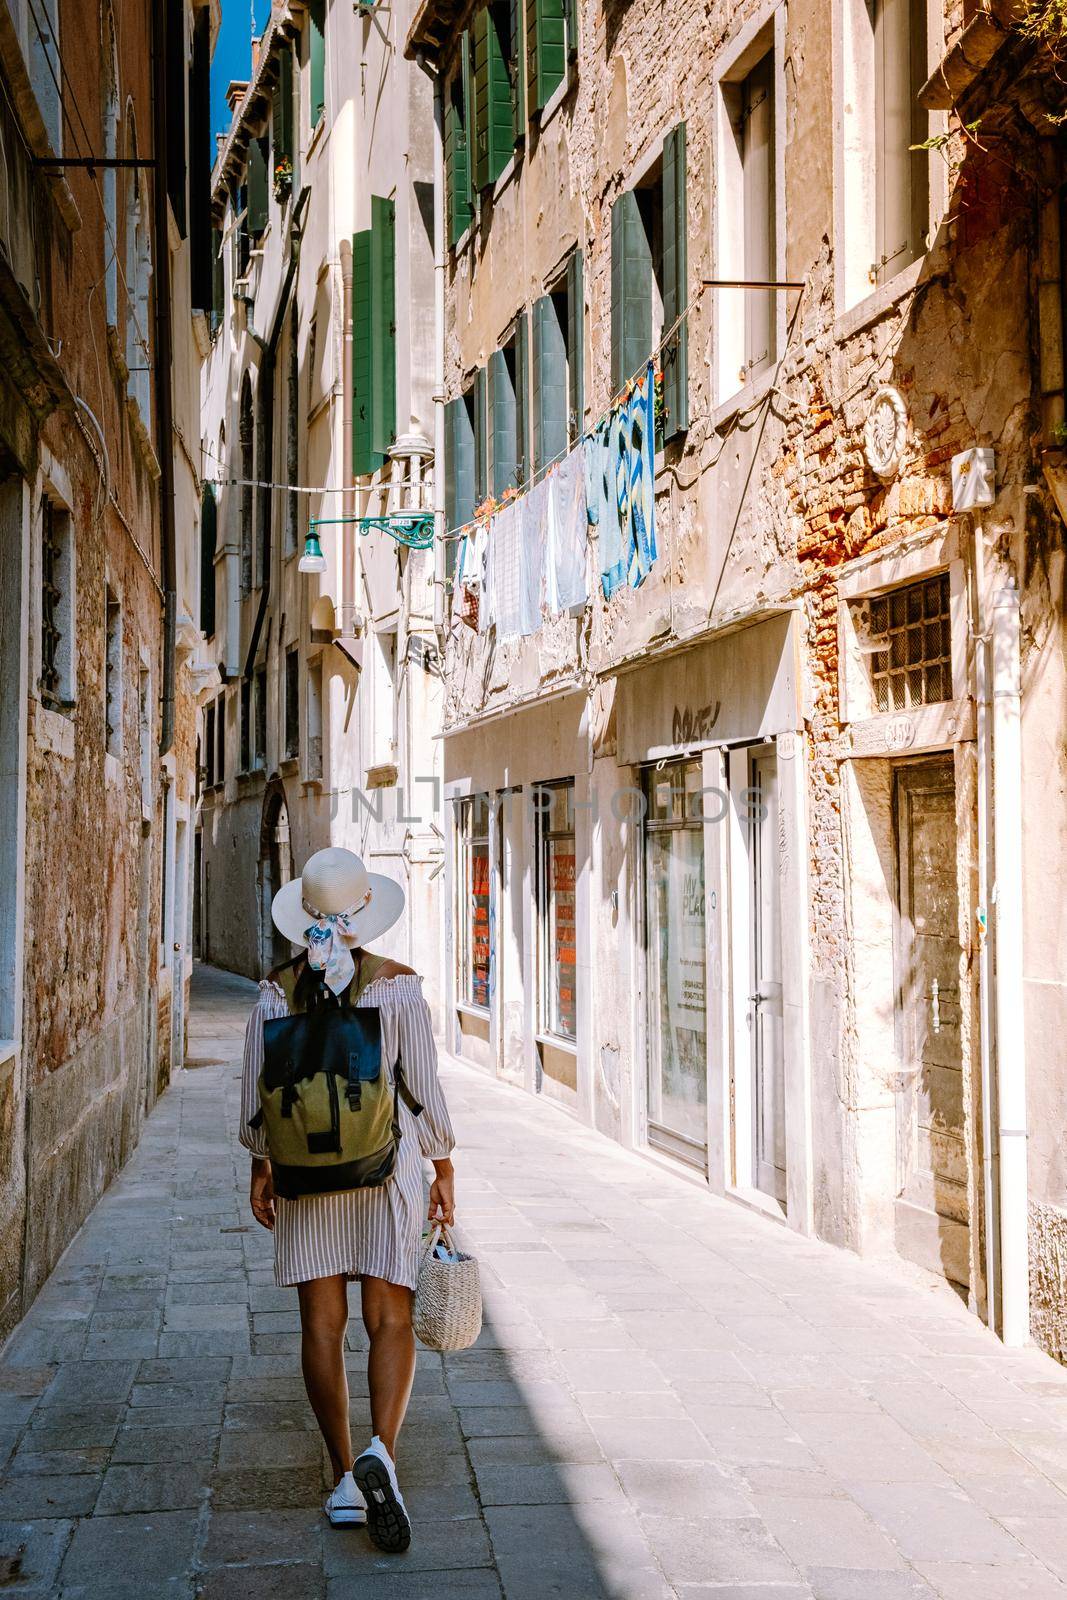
(472, 899)
(675, 947)
(555, 909)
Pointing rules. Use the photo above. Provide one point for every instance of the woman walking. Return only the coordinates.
(321, 1241)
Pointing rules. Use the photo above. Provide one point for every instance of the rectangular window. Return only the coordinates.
(281, 122)
(459, 469)
(208, 538)
(220, 740)
(292, 434)
(547, 48)
(902, 173)
(113, 672)
(292, 703)
(675, 954)
(316, 61)
(258, 207)
(494, 92)
(636, 277)
(915, 667)
(314, 716)
(374, 338)
(218, 280)
(57, 607)
(259, 749)
(555, 909)
(245, 759)
(748, 227)
(457, 144)
(472, 899)
(208, 750)
(507, 406)
(558, 400)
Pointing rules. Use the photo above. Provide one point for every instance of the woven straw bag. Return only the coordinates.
(448, 1297)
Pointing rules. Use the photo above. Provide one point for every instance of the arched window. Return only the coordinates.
(248, 493)
(111, 117)
(137, 225)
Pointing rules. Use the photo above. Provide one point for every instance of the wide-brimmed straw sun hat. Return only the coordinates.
(336, 892)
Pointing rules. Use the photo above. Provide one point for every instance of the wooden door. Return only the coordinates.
(932, 1210)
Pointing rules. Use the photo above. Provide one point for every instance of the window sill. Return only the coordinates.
(557, 97)
(290, 765)
(875, 305)
(894, 733)
(112, 770)
(54, 731)
(507, 176)
(318, 133)
(470, 1010)
(750, 394)
(555, 1042)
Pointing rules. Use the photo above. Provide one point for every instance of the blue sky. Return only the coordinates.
(233, 53)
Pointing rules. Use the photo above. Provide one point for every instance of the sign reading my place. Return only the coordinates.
(742, 686)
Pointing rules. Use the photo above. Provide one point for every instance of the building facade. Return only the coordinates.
(739, 867)
(317, 416)
(100, 655)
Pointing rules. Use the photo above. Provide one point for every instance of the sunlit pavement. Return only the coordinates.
(671, 1395)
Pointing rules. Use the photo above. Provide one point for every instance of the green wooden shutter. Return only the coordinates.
(218, 278)
(481, 440)
(317, 59)
(364, 459)
(282, 108)
(570, 17)
(522, 402)
(546, 45)
(549, 384)
(457, 149)
(575, 346)
(675, 357)
(494, 131)
(257, 186)
(503, 438)
(383, 323)
(631, 290)
(459, 472)
(517, 70)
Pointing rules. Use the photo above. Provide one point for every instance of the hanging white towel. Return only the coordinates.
(507, 562)
(534, 513)
(566, 588)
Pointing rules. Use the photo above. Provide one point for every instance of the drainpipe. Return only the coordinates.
(347, 637)
(1011, 1049)
(164, 373)
(987, 1008)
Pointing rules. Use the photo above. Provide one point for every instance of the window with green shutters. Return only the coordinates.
(517, 69)
(494, 99)
(546, 49)
(374, 338)
(218, 279)
(317, 60)
(649, 279)
(674, 357)
(507, 412)
(281, 115)
(459, 472)
(457, 146)
(478, 400)
(256, 182)
(631, 289)
(549, 372)
(575, 346)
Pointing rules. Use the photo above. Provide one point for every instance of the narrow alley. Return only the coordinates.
(671, 1396)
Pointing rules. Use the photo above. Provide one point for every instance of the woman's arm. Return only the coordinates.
(253, 1139)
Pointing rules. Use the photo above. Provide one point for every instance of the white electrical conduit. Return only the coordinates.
(986, 998)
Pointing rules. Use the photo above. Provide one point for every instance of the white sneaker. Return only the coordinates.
(345, 1507)
(387, 1517)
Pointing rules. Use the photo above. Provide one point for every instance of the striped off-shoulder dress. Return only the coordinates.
(371, 1231)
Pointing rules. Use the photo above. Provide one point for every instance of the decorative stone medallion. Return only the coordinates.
(885, 432)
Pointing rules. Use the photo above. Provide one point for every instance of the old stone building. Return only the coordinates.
(739, 864)
(317, 437)
(99, 639)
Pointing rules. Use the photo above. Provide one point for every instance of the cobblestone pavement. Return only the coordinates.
(671, 1397)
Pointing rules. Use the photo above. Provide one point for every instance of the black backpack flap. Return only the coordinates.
(344, 1040)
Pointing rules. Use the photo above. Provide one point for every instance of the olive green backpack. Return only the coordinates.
(330, 1113)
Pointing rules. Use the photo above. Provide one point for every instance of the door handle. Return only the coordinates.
(755, 999)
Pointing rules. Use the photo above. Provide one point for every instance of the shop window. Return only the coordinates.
(675, 953)
(472, 899)
(113, 672)
(292, 703)
(57, 606)
(914, 665)
(555, 909)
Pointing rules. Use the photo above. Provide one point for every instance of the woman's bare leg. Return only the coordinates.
(391, 1364)
(323, 1320)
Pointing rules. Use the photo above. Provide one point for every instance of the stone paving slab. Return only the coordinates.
(672, 1398)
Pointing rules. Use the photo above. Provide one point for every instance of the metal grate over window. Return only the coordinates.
(915, 669)
(51, 595)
